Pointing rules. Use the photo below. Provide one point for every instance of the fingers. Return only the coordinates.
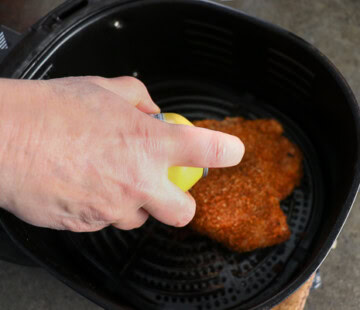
(133, 221)
(130, 89)
(172, 206)
(200, 147)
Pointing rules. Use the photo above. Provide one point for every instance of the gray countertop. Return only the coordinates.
(331, 25)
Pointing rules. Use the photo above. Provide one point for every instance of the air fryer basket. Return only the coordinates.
(204, 61)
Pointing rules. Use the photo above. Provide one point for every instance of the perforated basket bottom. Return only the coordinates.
(161, 267)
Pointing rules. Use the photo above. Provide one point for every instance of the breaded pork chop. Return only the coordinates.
(240, 206)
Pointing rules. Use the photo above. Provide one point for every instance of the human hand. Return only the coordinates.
(81, 154)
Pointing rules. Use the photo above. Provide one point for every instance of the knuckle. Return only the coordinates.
(216, 151)
(133, 225)
(133, 81)
(129, 224)
(94, 79)
(138, 87)
(93, 214)
(78, 225)
(74, 225)
(70, 80)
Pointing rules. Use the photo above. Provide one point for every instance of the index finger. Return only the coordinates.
(200, 147)
(131, 89)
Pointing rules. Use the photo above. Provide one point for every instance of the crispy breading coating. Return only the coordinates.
(240, 206)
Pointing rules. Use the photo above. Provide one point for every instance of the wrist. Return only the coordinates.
(16, 98)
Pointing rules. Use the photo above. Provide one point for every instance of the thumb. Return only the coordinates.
(200, 147)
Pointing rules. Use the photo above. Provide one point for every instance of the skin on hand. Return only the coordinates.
(81, 154)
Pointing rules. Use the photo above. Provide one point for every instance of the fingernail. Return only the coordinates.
(241, 150)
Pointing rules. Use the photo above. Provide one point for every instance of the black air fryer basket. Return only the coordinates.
(204, 61)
